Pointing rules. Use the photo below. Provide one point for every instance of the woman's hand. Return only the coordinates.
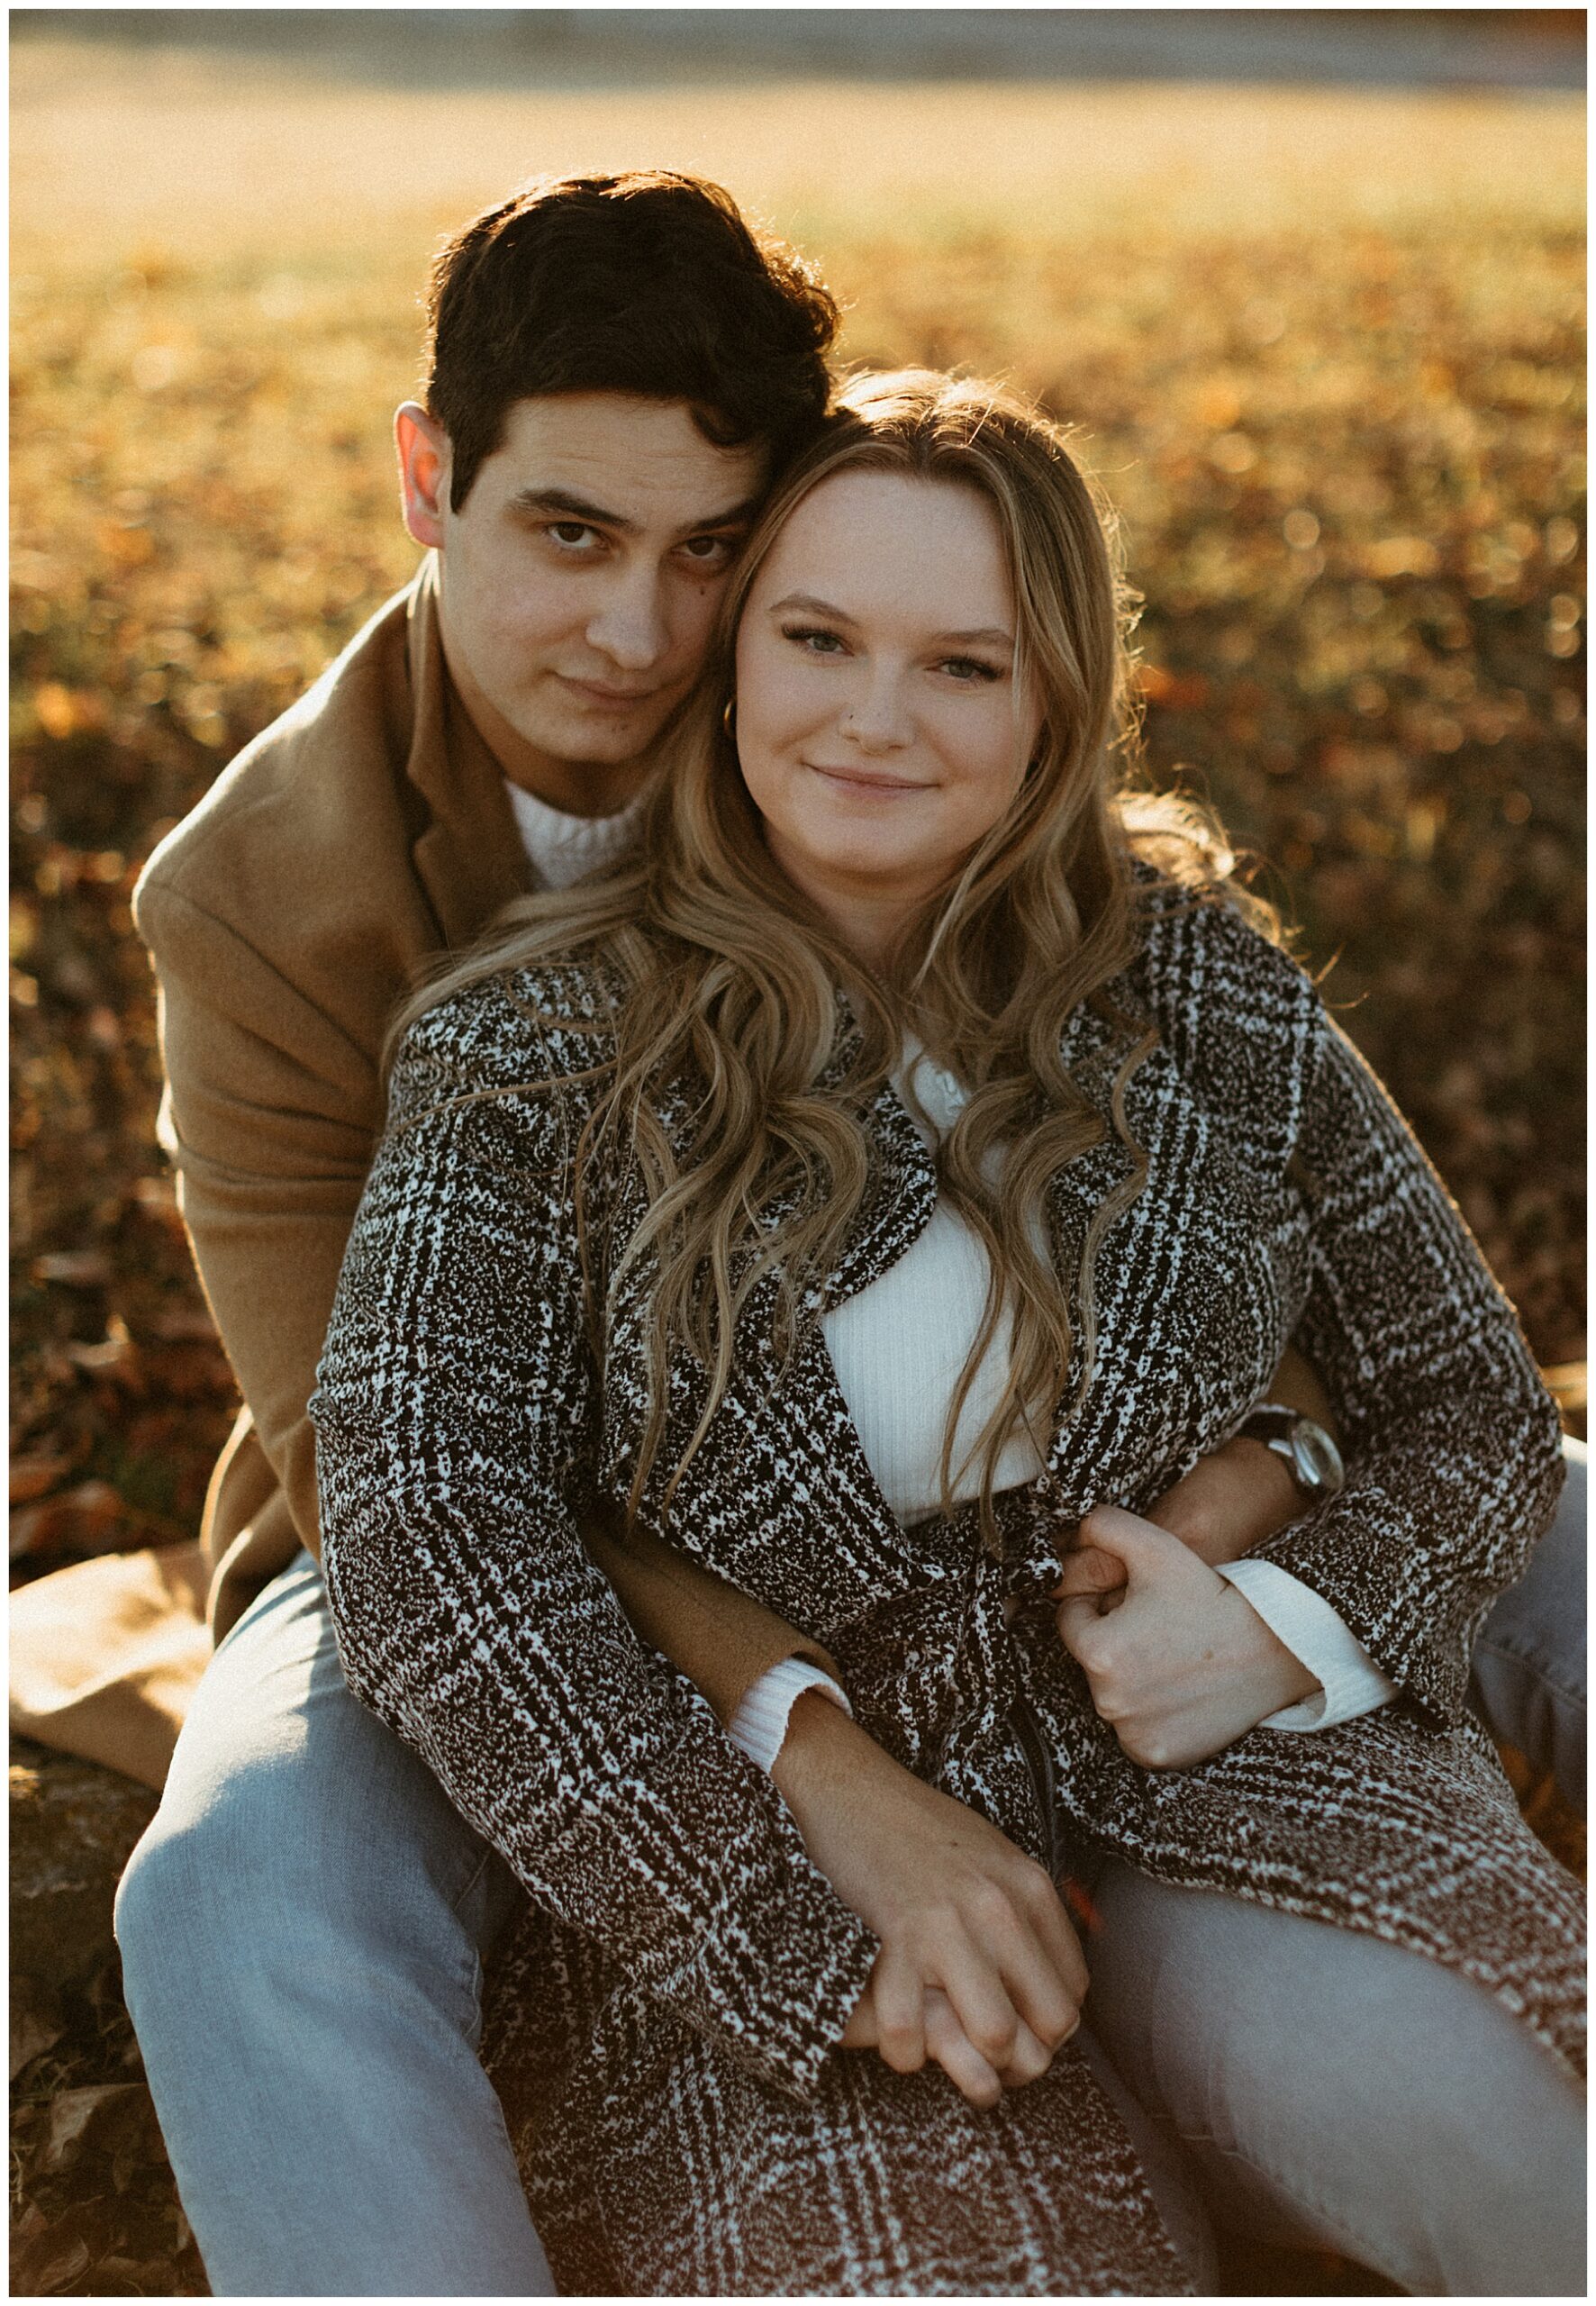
(980, 1968)
(950, 2047)
(1229, 1501)
(1179, 1664)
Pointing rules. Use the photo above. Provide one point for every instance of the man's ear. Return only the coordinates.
(424, 471)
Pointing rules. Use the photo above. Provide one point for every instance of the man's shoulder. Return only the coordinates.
(320, 787)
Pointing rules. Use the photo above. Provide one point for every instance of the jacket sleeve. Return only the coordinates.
(457, 1416)
(271, 1110)
(1452, 1443)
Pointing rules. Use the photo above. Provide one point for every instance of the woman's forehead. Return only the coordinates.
(862, 538)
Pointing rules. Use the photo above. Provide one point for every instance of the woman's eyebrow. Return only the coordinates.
(814, 607)
(992, 636)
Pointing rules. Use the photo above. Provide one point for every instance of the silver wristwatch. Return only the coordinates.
(1305, 1448)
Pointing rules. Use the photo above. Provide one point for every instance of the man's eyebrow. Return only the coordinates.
(565, 506)
(735, 516)
(561, 502)
(988, 635)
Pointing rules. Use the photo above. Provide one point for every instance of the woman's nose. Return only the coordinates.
(876, 718)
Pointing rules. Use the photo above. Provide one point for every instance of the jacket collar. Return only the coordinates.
(468, 854)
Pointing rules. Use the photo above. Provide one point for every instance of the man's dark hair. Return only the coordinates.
(647, 283)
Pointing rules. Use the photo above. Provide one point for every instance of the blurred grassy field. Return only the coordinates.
(1325, 350)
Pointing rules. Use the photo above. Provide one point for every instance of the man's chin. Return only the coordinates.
(602, 740)
(580, 743)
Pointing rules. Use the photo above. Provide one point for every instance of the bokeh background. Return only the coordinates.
(1309, 284)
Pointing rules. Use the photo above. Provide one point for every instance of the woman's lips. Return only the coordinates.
(863, 780)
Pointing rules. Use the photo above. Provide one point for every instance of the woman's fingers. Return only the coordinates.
(1077, 1620)
(1060, 1946)
(1046, 2005)
(1038, 1958)
(1028, 2061)
(971, 1978)
(952, 2050)
(898, 1992)
(1090, 1569)
(956, 2054)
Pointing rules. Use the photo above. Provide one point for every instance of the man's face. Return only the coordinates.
(580, 579)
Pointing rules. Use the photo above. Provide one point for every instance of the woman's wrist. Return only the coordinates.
(1274, 1677)
(823, 1750)
(763, 1718)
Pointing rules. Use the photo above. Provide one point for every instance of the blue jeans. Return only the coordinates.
(303, 1928)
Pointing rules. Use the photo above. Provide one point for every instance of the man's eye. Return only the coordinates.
(709, 552)
(570, 533)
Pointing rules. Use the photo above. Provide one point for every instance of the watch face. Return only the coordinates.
(1318, 1461)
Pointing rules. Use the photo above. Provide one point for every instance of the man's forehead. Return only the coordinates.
(644, 460)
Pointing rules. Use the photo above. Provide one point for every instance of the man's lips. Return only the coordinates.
(603, 692)
(866, 780)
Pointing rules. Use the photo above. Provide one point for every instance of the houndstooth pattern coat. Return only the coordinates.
(664, 2033)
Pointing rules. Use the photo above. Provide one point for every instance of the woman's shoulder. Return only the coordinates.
(1211, 937)
(551, 1023)
(1216, 979)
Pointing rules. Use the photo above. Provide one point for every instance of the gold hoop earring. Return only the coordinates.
(729, 721)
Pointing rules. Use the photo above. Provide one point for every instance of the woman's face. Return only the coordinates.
(878, 723)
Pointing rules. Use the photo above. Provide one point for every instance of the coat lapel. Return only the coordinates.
(781, 1459)
(468, 854)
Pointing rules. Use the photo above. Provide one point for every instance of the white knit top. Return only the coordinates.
(899, 1347)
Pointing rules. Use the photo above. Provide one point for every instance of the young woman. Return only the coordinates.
(896, 1173)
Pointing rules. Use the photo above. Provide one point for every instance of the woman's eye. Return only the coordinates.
(971, 669)
(814, 641)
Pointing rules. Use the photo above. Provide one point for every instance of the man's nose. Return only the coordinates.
(876, 717)
(631, 626)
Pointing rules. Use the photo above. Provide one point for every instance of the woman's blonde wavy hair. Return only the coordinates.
(720, 973)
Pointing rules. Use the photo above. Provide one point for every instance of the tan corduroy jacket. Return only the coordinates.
(287, 915)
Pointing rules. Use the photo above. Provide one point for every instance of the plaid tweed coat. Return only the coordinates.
(665, 2030)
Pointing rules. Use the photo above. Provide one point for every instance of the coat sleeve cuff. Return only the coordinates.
(782, 1993)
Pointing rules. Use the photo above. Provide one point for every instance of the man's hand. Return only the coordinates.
(1179, 1663)
(980, 1968)
(1234, 1499)
(1229, 1501)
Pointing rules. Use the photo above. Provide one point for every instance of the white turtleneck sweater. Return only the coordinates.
(898, 1348)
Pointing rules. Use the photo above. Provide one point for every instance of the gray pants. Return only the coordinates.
(303, 1929)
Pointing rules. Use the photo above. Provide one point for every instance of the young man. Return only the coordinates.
(619, 368)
